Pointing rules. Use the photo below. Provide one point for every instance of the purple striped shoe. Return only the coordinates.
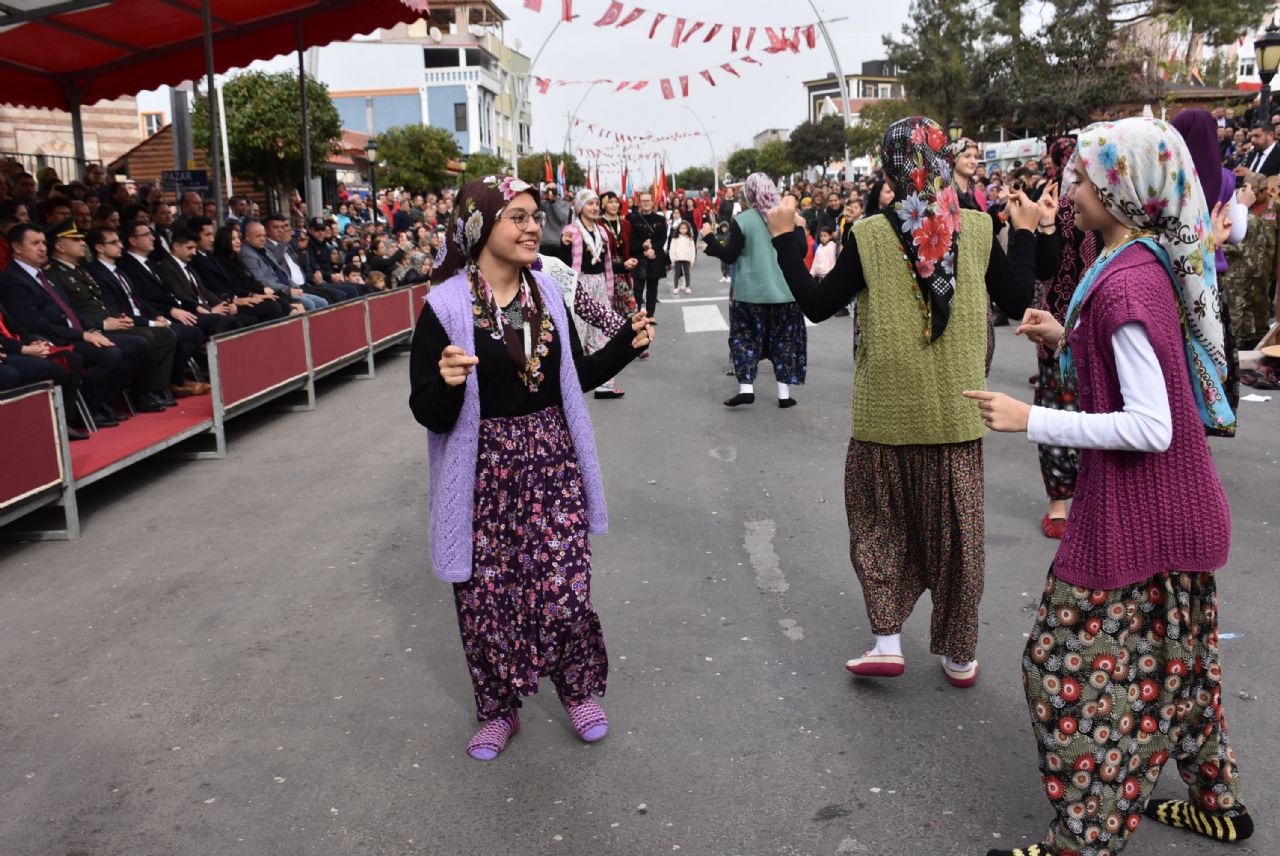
(492, 737)
(588, 720)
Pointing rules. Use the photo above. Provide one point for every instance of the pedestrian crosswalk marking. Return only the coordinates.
(703, 319)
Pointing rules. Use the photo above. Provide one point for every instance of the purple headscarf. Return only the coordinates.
(1199, 131)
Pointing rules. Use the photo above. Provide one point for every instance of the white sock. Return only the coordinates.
(954, 665)
(891, 644)
(783, 392)
(747, 388)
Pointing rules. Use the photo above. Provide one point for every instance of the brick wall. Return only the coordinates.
(111, 128)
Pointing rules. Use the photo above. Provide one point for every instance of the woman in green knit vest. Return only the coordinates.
(921, 271)
(764, 321)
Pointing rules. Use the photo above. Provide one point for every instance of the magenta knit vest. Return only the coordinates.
(453, 456)
(1138, 514)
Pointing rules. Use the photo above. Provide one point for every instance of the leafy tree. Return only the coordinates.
(479, 165)
(264, 127)
(817, 143)
(415, 157)
(933, 57)
(742, 163)
(774, 159)
(695, 178)
(867, 133)
(1219, 22)
(533, 168)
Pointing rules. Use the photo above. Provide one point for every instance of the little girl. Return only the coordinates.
(824, 257)
(1121, 669)
(684, 255)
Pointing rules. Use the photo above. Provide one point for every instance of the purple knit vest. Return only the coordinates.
(1138, 514)
(453, 456)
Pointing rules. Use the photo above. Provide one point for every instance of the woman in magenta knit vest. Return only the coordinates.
(497, 374)
(1121, 670)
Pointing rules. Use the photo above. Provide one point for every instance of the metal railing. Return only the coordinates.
(67, 167)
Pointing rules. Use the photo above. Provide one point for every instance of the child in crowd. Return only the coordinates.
(824, 257)
(377, 280)
(722, 235)
(684, 255)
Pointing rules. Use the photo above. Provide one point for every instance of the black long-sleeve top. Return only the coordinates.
(1011, 281)
(436, 405)
(730, 249)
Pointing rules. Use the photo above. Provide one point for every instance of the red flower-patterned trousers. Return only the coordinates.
(1119, 682)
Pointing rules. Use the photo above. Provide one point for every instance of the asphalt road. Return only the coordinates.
(251, 656)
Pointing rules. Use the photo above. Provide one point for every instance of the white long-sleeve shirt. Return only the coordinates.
(1145, 424)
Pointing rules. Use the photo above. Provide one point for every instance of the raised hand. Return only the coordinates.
(1221, 224)
(782, 217)
(456, 365)
(1048, 203)
(1040, 327)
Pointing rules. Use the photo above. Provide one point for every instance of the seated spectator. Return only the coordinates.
(278, 248)
(148, 358)
(26, 360)
(38, 311)
(226, 274)
(122, 298)
(82, 215)
(145, 273)
(377, 280)
(253, 253)
(162, 225)
(189, 205)
(251, 307)
(213, 314)
(386, 257)
(106, 217)
(352, 276)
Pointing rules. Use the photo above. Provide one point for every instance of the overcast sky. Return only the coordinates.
(767, 96)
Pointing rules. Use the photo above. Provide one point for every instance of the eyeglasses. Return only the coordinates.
(521, 219)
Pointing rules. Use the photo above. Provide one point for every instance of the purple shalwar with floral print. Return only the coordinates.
(526, 610)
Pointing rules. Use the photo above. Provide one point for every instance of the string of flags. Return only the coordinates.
(610, 134)
(780, 39)
(666, 84)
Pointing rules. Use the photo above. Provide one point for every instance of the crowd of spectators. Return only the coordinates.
(110, 288)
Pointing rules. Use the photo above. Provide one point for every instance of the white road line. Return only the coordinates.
(666, 300)
(703, 319)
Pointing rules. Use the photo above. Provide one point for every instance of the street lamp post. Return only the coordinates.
(521, 91)
(715, 161)
(371, 154)
(1266, 51)
(955, 130)
(844, 83)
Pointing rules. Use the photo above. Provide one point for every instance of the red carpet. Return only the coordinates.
(109, 445)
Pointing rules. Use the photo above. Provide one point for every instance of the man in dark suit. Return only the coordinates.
(251, 308)
(39, 311)
(123, 298)
(147, 360)
(1265, 159)
(25, 360)
(213, 314)
(139, 244)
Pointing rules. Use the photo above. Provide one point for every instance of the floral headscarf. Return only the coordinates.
(1143, 173)
(927, 211)
(762, 194)
(582, 198)
(478, 206)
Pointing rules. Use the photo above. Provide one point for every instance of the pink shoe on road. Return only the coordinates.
(873, 665)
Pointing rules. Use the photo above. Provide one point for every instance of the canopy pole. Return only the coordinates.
(77, 128)
(214, 151)
(308, 194)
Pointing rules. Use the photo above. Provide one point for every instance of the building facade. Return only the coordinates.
(36, 137)
(878, 80)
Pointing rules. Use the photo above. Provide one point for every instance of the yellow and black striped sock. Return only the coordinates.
(1181, 814)
(1033, 850)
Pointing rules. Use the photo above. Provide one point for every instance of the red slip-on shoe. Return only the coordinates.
(873, 665)
(1053, 527)
(961, 678)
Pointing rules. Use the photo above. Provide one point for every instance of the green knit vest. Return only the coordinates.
(906, 389)
(758, 279)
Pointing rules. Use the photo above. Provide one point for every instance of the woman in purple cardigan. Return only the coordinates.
(497, 373)
(1121, 670)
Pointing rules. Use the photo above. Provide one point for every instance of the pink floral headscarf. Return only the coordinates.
(927, 211)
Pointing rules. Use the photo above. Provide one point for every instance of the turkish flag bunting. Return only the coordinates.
(752, 61)
(543, 84)
(611, 15)
(567, 10)
(623, 85)
(729, 68)
(667, 92)
(751, 34)
(777, 43)
(684, 85)
(675, 39)
(707, 76)
(697, 25)
(715, 31)
(658, 18)
(811, 36)
(635, 15)
(795, 40)
(640, 84)
(737, 33)
(535, 5)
